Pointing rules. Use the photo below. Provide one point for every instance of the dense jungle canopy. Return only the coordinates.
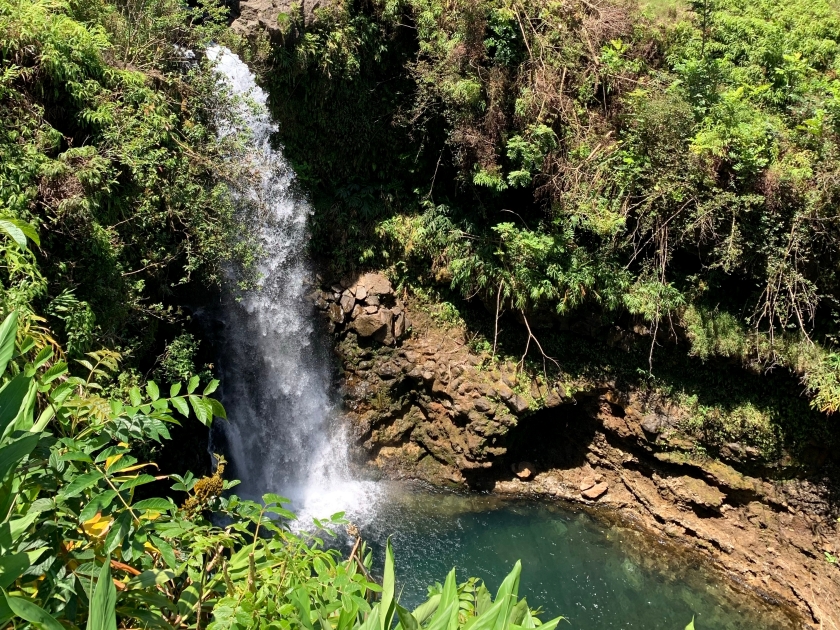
(674, 165)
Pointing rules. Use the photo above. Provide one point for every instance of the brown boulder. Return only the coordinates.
(368, 325)
(335, 313)
(586, 483)
(376, 284)
(517, 404)
(347, 302)
(505, 392)
(553, 399)
(596, 491)
(399, 326)
(482, 404)
(385, 335)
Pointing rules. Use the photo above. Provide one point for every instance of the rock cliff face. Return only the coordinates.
(424, 406)
(254, 17)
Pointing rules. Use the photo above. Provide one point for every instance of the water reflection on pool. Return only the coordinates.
(597, 576)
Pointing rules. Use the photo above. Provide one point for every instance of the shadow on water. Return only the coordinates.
(596, 575)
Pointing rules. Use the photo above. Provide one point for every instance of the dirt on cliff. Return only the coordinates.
(424, 406)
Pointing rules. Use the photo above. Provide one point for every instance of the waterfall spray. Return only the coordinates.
(284, 435)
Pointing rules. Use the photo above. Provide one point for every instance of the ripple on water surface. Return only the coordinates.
(597, 576)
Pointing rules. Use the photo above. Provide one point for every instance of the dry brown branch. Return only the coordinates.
(536, 341)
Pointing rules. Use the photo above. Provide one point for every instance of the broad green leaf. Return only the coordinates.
(483, 601)
(506, 595)
(80, 484)
(23, 421)
(191, 386)
(372, 621)
(174, 389)
(119, 461)
(106, 454)
(13, 232)
(18, 231)
(56, 370)
(180, 404)
(137, 481)
(202, 410)
(448, 595)
(12, 397)
(551, 625)
(347, 617)
(26, 345)
(517, 613)
(188, 601)
(43, 356)
(13, 529)
(491, 618)
(32, 613)
(690, 625)
(98, 503)
(117, 532)
(152, 577)
(527, 619)
(287, 514)
(8, 332)
(166, 552)
(12, 567)
(216, 408)
(12, 454)
(407, 620)
(270, 498)
(387, 599)
(75, 456)
(426, 609)
(151, 618)
(156, 504)
(152, 390)
(102, 614)
(211, 387)
(28, 229)
(510, 585)
(135, 396)
(442, 621)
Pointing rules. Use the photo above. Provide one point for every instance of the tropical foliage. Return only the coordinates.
(669, 173)
(80, 547)
(109, 150)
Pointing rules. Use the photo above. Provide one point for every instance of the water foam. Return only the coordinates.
(285, 434)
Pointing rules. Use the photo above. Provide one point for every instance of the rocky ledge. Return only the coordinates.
(423, 406)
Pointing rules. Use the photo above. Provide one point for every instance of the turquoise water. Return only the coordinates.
(595, 575)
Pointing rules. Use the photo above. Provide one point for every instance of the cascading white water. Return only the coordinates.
(283, 435)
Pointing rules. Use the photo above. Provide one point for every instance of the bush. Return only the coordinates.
(578, 158)
(109, 149)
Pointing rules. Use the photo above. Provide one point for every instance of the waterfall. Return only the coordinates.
(284, 433)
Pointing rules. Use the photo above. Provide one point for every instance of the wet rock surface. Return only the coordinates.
(423, 406)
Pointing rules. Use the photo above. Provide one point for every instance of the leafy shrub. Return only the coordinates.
(109, 149)
(79, 547)
(582, 159)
